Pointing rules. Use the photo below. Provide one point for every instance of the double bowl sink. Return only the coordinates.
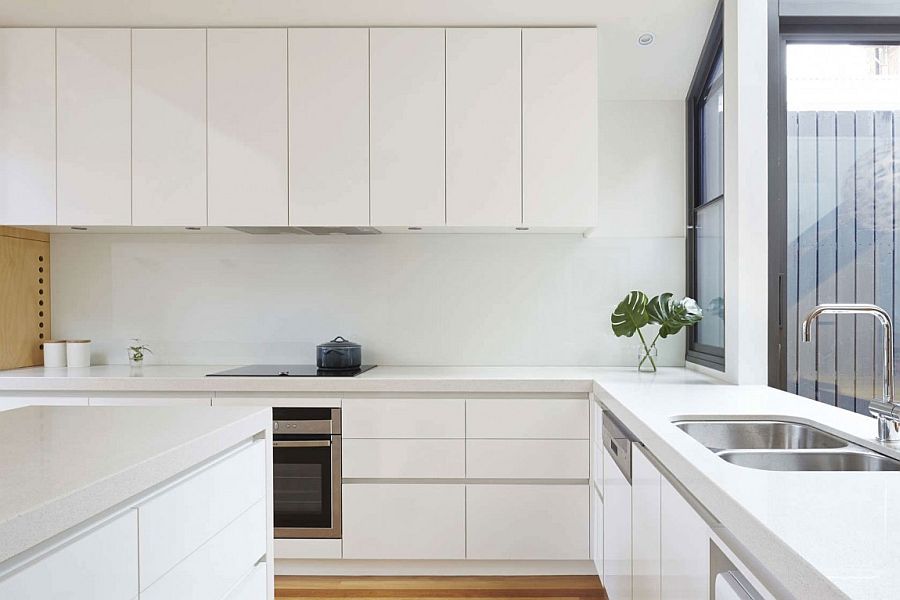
(774, 445)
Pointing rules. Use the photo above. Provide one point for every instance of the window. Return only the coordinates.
(706, 201)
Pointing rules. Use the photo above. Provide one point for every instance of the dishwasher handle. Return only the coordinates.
(618, 441)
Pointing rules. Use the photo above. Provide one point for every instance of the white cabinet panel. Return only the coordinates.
(93, 71)
(403, 418)
(179, 520)
(150, 401)
(597, 530)
(219, 565)
(415, 459)
(168, 127)
(617, 519)
(528, 459)
(527, 522)
(484, 127)
(559, 116)
(253, 587)
(645, 526)
(404, 521)
(100, 565)
(248, 115)
(407, 126)
(28, 127)
(329, 126)
(684, 548)
(11, 402)
(527, 418)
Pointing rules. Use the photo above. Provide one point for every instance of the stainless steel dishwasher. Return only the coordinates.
(617, 567)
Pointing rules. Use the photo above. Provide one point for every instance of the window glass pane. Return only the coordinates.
(710, 274)
(843, 191)
(712, 145)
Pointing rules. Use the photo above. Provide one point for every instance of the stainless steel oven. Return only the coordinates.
(306, 452)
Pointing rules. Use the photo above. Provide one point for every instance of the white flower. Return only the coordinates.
(690, 307)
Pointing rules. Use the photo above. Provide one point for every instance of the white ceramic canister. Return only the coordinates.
(78, 353)
(55, 353)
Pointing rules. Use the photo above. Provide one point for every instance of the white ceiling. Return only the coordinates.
(627, 71)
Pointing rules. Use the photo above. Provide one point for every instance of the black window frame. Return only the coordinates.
(697, 353)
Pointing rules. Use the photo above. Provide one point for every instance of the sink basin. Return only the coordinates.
(811, 461)
(758, 435)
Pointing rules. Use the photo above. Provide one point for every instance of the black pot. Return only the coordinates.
(339, 355)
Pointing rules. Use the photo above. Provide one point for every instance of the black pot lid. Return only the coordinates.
(339, 342)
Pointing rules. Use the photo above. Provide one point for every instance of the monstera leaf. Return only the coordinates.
(673, 316)
(630, 315)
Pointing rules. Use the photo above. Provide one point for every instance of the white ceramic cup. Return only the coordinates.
(78, 353)
(55, 353)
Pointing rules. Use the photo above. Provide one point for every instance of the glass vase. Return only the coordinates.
(647, 360)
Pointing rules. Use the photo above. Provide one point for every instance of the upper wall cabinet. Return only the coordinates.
(329, 126)
(407, 129)
(93, 78)
(559, 115)
(248, 116)
(169, 126)
(484, 127)
(28, 127)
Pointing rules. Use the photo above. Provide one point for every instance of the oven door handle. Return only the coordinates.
(302, 444)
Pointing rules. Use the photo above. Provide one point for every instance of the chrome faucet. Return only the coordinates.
(886, 411)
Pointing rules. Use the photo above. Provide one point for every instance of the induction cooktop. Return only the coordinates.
(289, 371)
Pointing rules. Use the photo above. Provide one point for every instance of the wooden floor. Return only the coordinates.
(486, 588)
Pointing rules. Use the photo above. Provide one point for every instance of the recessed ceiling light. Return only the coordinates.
(645, 39)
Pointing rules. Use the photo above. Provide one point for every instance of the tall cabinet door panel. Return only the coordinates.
(617, 520)
(28, 127)
(93, 78)
(559, 117)
(248, 144)
(684, 548)
(329, 126)
(645, 526)
(169, 126)
(484, 127)
(407, 129)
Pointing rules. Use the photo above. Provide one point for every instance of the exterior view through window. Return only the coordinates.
(843, 191)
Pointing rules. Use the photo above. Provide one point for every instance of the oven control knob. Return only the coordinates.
(275, 425)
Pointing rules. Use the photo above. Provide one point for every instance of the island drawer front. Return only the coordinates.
(220, 564)
(414, 459)
(180, 519)
(528, 459)
(100, 565)
(253, 587)
(403, 418)
(528, 418)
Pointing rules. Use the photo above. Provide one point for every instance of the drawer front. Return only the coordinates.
(527, 522)
(404, 521)
(596, 423)
(101, 565)
(218, 565)
(597, 467)
(406, 418)
(528, 459)
(414, 459)
(528, 419)
(179, 520)
(253, 587)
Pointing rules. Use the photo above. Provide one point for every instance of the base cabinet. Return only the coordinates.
(616, 531)
(645, 527)
(684, 548)
(597, 530)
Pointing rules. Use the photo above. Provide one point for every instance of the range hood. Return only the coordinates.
(308, 230)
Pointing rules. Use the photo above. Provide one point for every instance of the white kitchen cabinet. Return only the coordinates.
(252, 587)
(93, 78)
(645, 526)
(484, 127)
(406, 80)
(329, 126)
(168, 127)
(11, 402)
(527, 522)
(102, 564)
(524, 418)
(684, 548)
(28, 127)
(559, 117)
(404, 521)
(597, 529)
(403, 459)
(617, 523)
(528, 459)
(403, 418)
(162, 400)
(247, 127)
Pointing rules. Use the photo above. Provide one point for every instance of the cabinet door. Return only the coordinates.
(403, 459)
(597, 530)
(484, 127)
(645, 526)
(28, 127)
(404, 521)
(684, 548)
(403, 418)
(248, 168)
(616, 531)
(559, 119)
(329, 126)
(93, 78)
(527, 522)
(528, 418)
(169, 127)
(406, 81)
